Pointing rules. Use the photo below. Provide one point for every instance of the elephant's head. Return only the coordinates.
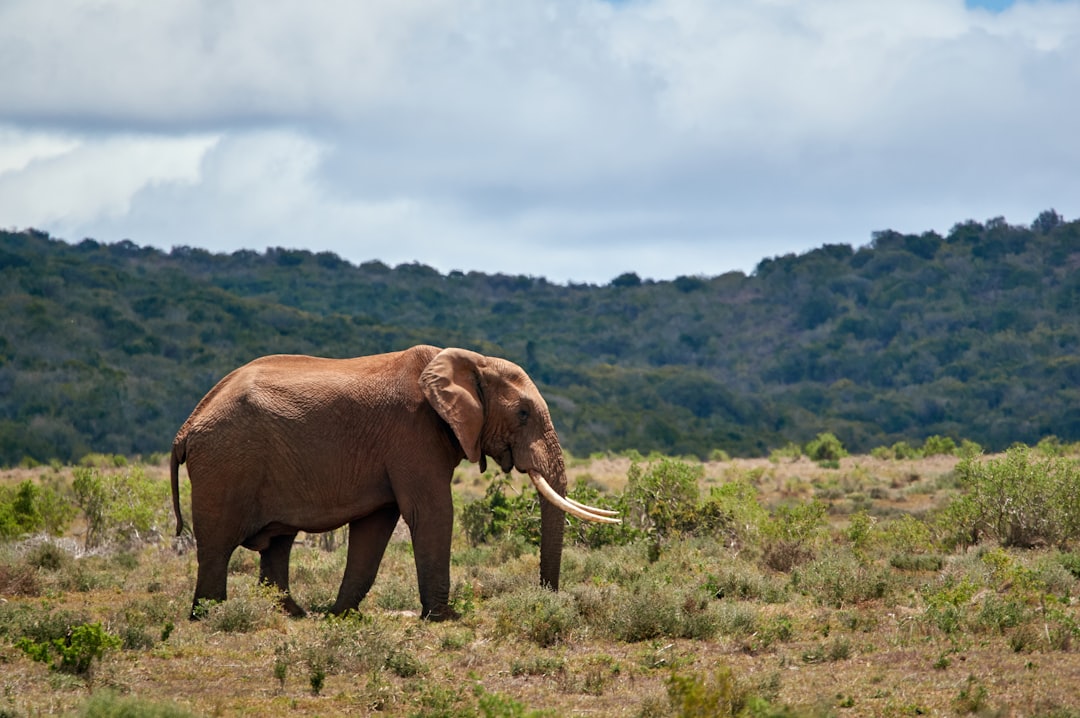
(495, 410)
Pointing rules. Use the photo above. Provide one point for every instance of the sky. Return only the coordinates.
(569, 139)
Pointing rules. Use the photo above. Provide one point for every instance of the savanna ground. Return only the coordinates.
(858, 586)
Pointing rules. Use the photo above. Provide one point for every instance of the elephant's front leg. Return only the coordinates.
(367, 543)
(432, 528)
(274, 570)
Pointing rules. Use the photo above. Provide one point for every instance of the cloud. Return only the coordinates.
(57, 179)
(574, 139)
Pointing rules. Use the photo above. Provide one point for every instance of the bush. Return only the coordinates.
(543, 617)
(125, 507)
(743, 582)
(29, 508)
(250, 609)
(1019, 500)
(839, 580)
(654, 607)
(500, 514)
(74, 652)
(790, 534)
(657, 499)
(826, 447)
(938, 446)
(595, 535)
(105, 704)
(703, 695)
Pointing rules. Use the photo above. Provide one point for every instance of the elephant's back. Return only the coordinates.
(264, 394)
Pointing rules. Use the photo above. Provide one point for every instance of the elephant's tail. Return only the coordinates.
(179, 456)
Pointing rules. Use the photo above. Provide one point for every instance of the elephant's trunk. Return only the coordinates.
(552, 519)
(549, 477)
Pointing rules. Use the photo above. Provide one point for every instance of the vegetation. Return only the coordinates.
(866, 585)
(973, 335)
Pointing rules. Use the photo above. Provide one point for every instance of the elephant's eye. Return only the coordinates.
(523, 415)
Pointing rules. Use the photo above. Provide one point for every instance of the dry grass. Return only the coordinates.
(517, 651)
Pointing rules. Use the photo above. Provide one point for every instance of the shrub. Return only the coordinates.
(826, 447)
(544, 617)
(946, 601)
(19, 579)
(250, 609)
(125, 507)
(938, 446)
(904, 533)
(839, 579)
(28, 508)
(105, 704)
(74, 652)
(594, 535)
(654, 608)
(790, 534)
(1018, 500)
(789, 452)
(743, 582)
(657, 499)
(47, 555)
(499, 514)
(702, 695)
(738, 499)
(917, 562)
(900, 450)
(38, 623)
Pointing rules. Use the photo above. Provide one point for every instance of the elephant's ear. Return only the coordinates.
(451, 384)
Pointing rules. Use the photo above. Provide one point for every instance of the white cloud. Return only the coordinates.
(56, 179)
(575, 138)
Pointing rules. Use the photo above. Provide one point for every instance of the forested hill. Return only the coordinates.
(973, 335)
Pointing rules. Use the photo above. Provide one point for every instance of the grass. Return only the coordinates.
(872, 616)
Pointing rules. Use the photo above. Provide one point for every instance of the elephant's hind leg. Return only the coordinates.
(274, 570)
(210, 586)
(367, 543)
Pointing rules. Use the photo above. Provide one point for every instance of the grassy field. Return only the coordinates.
(841, 588)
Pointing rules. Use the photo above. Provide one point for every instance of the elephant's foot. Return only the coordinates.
(291, 607)
(439, 613)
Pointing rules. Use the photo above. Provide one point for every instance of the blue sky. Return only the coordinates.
(571, 139)
(996, 5)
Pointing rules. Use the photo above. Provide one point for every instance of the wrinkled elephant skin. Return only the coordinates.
(295, 443)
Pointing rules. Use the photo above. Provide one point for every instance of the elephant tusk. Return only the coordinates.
(591, 509)
(588, 513)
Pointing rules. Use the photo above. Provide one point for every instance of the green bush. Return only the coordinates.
(502, 513)
(73, 653)
(594, 535)
(655, 607)
(105, 704)
(791, 532)
(249, 609)
(1022, 499)
(123, 507)
(938, 446)
(899, 451)
(826, 447)
(29, 508)
(704, 695)
(543, 617)
(658, 498)
(839, 579)
(742, 581)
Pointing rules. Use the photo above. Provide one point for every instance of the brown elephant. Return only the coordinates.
(296, 443)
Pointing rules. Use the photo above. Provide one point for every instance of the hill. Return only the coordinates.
(108, 347)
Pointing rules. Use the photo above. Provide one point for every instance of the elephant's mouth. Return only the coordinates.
(582, 511)
(506, 461)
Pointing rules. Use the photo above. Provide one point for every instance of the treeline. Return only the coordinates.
(976, 335)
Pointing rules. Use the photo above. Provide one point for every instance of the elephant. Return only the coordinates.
(291, 443)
